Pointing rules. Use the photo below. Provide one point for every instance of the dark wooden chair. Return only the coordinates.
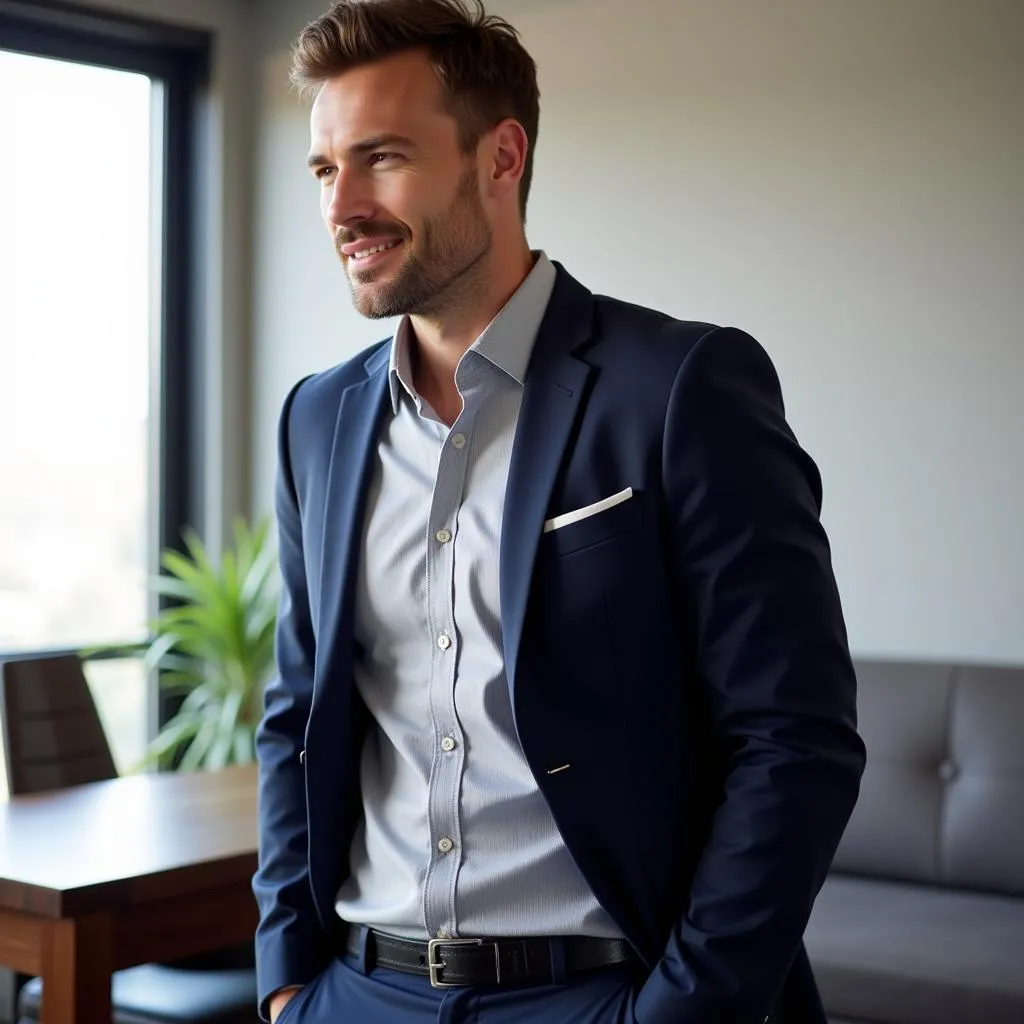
(53, 738)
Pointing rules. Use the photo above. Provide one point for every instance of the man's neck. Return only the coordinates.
(440, 341)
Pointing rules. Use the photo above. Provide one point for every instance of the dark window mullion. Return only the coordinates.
(181, 378)
(90, 36)
(180, 427)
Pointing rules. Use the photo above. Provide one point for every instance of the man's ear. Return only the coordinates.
(508, 158)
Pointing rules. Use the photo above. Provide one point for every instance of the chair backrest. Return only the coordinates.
(52, 733)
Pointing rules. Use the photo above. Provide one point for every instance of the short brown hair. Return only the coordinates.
(486, 72)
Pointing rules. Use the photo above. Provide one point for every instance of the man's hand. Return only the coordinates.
(280, 999)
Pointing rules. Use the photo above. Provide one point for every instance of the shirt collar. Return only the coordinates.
(507, 341)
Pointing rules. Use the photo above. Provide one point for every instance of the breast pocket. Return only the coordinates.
(594, 529)
(580, 568)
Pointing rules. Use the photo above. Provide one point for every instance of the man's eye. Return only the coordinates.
(322, 172)
(379, 158)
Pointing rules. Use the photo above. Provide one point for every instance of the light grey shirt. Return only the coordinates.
(456, 839)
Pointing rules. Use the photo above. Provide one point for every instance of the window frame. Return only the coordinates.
(179, 59)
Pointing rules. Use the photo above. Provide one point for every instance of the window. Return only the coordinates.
(74, 366)
(98, 436)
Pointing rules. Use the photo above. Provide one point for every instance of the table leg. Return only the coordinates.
(78, 960)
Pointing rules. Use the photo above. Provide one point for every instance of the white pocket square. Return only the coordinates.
(568, 518)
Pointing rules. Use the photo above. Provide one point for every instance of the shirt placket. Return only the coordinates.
(448, 741)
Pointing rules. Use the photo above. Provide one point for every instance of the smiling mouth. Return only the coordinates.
(363, 255)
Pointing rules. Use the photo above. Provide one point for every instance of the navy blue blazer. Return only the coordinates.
(684, 652)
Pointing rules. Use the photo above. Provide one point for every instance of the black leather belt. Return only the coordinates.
(452, 963)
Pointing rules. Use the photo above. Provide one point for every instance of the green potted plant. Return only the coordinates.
(215, 645)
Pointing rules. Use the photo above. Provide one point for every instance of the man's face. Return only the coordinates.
(400, 199)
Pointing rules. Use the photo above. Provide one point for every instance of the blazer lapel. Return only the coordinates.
(555, 384)
(355, 440)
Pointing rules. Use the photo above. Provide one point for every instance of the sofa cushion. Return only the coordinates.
(902, 712)
(898, 953)
(940, 798)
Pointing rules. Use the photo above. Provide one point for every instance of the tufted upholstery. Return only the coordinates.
(922, 920)
(941, 798)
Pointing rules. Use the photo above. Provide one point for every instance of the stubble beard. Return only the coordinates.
(444, 273)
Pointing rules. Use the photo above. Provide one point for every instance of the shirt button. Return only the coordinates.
(443, 536)
(445, 845)
(459, 440)
(447, 744)
(444, 641)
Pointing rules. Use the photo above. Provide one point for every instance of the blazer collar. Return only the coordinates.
(553, 395)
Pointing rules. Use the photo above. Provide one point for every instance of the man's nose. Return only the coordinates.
(349, 201)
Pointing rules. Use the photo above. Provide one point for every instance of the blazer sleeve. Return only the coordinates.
(290, 946)
(753, 566)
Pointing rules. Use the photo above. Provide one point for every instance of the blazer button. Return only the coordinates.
(302, 757)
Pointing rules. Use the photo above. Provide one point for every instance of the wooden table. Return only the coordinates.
(110, 875)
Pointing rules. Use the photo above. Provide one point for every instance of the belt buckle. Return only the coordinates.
(435, 964)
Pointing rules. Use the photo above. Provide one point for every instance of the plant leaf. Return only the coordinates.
(174, 734)
(193, 757)
(244, 751)
(216, 644)
(220, 749)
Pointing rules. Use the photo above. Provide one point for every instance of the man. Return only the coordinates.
(564, 724)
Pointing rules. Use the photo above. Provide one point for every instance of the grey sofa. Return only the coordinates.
(922, 918)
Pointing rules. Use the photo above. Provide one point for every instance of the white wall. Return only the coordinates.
(845, 180)
(225, 188)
